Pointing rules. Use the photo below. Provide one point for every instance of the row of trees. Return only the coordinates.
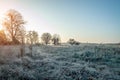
(30, 37)
(14, 32)
(46, 38)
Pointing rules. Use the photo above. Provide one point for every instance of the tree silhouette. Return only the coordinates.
(13, 23)
(32, 37)
(73, 42)
(56, 39)
(46, 37)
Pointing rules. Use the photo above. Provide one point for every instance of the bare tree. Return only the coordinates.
(46, 37)
(56, 39)
(21, 35)
(36, 37)
(73, 42)
(13, 23)
(32, 37)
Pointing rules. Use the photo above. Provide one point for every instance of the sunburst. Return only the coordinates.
(1, 18)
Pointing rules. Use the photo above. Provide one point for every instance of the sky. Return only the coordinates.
(94, 21)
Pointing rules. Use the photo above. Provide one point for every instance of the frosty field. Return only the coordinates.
(64, 62)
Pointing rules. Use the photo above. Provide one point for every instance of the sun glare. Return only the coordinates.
(1, 17)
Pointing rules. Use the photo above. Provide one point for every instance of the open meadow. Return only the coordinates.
(62, 62)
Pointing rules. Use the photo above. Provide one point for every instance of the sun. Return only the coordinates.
(1, 18)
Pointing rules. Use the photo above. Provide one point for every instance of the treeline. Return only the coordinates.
(13, 32)
(30, 37)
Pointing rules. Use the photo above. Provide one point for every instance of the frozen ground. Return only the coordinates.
(83, 62)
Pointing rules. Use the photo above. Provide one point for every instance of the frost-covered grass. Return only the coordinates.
(83, 62)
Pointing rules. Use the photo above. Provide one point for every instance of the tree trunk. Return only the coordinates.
(22, 50)
(30, 47)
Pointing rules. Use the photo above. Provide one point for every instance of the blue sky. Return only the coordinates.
(83, 20)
